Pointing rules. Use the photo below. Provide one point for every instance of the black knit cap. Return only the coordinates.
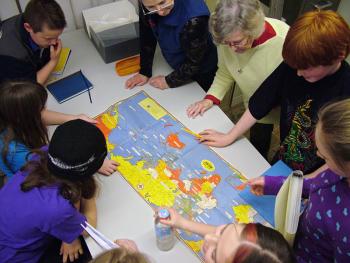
(76, 151)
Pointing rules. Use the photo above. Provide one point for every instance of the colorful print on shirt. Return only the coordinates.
(299, 141)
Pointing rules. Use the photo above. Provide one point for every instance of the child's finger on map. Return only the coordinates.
(114, 163)
(241, 187)
(205, 132)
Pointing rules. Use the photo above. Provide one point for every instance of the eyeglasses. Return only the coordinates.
(161, 6)
(242, 43)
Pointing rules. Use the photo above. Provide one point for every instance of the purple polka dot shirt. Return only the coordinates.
(324, 228)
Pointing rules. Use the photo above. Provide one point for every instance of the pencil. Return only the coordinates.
(89, 95)
(87, 86)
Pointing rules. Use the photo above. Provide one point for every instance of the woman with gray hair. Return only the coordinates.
(249, 49)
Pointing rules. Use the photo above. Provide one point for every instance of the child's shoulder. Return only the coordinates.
(54, 205)
(331, 189)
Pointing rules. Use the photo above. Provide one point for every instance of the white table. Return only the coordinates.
(121, 211)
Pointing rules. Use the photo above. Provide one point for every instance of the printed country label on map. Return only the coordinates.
(152, 108)
(208, 165)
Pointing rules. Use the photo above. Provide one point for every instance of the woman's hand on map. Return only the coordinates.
(199, 107)
(159, 82)
(136, 80)
(86, 118)
(257, 185)
(108, 167)
(215, 138)
(128, 244)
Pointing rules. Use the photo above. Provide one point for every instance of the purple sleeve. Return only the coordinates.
(273, 184)
(67, 228)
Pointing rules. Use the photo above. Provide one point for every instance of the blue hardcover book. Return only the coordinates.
(265, 205)
(69, 87)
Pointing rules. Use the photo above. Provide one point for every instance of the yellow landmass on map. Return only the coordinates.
(153, 108)
(207, 188)
(153, 186)
(195, 245)
(161, 170)
(244, 213)
(110, 146)
(110, 121)
(191, 132)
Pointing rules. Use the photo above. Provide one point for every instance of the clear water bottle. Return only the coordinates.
(164, 234)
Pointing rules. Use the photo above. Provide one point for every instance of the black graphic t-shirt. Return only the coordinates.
(300, 102)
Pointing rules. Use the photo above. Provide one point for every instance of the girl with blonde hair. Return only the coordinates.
(121, 255)
(326, 215)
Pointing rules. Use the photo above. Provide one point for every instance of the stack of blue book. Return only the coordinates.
(70, 87)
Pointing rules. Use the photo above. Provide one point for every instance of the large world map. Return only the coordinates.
(166, 165)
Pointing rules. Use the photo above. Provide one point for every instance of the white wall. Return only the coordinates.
(8, 8)
(344, 10)
(71, 8)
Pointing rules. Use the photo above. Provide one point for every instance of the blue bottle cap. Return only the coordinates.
(163, 213)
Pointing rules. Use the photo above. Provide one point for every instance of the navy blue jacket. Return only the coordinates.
(184, 40)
